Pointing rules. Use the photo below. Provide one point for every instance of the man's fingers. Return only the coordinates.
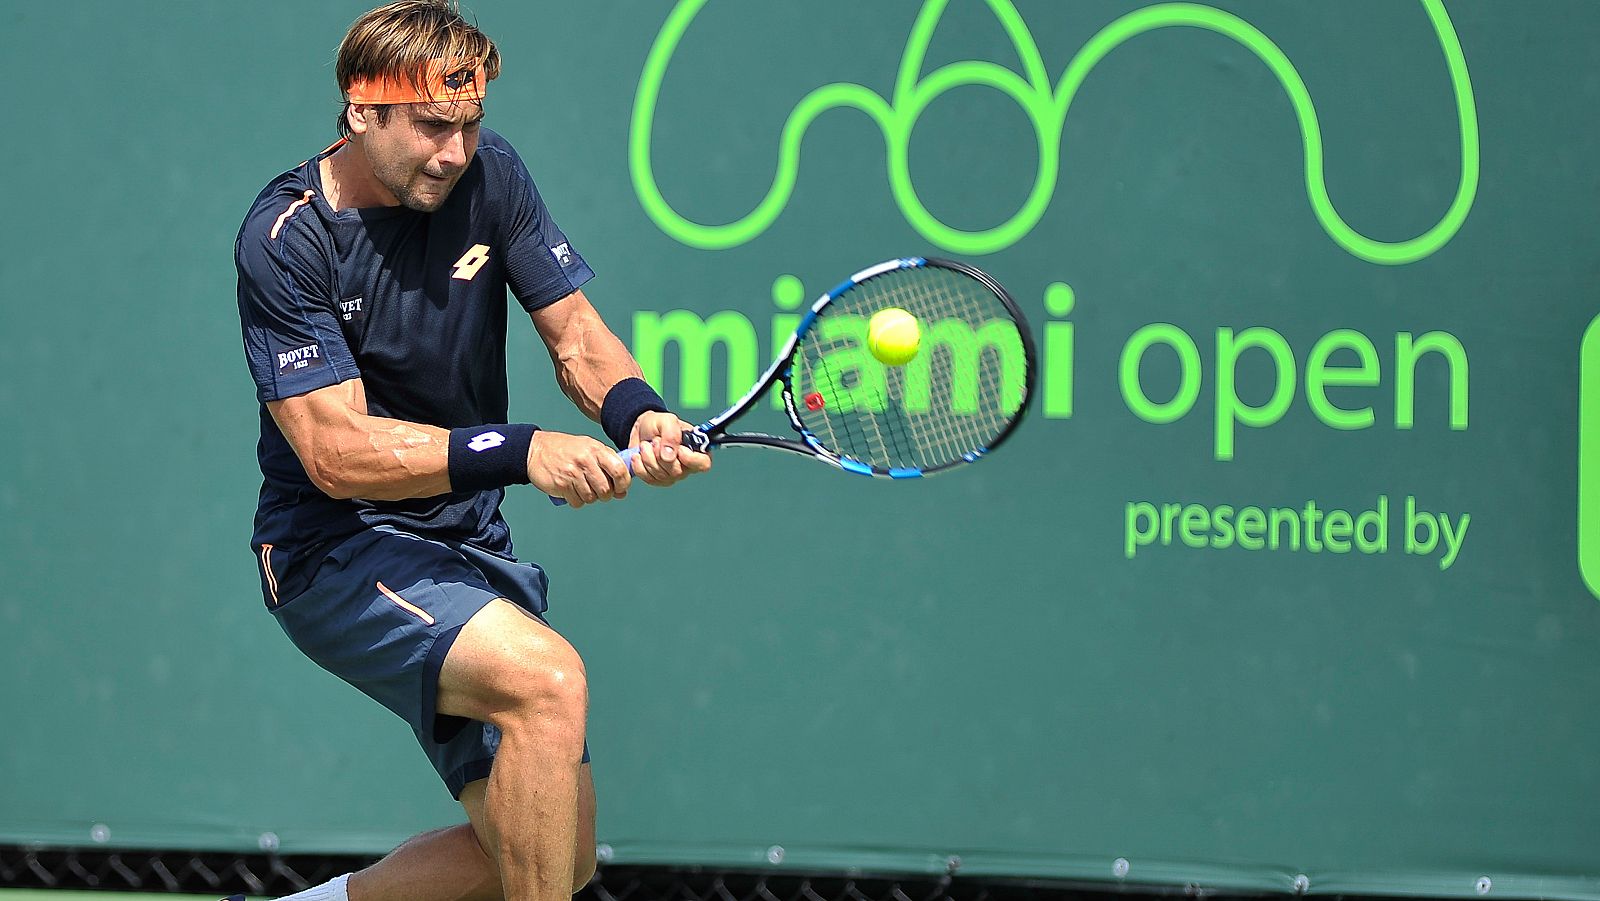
(671, 461)
(585, 485)
(616, 469)
(662, 462)
(606, 473)
(599, 480)
(694, 461)
(649, 463)
(660, 457)
(690, 460)
(645, 464)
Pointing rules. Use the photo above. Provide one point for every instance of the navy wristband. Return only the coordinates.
(489, 456)
(624, 404)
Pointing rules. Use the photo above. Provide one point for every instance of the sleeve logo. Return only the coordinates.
(485, 441)
(471, 262)
(563, 254)
(299, 358)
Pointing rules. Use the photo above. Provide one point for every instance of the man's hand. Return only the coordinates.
(575, 468)
(663, 460)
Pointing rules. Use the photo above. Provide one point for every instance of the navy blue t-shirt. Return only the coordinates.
(413, 304)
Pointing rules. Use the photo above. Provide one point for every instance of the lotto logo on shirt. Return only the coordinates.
(563, 254)
(470, 262)
(299, 358)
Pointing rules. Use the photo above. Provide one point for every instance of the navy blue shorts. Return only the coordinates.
(382, 612)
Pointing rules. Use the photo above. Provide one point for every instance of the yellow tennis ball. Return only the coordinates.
(893, 336)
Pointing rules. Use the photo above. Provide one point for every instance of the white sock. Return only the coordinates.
(332, 890)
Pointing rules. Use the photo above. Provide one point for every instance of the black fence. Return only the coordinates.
(271, 875)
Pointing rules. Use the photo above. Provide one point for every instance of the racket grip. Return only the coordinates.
(627, 454)
(694, 439)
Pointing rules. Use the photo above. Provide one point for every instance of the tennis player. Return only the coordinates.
(372, 295)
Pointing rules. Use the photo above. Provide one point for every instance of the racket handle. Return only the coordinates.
(694, 439)
(697, 441)
(627, 454)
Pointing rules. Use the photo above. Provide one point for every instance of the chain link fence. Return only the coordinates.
(168, 871)
(271, 875)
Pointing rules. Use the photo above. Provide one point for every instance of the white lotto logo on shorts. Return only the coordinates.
(481, 443)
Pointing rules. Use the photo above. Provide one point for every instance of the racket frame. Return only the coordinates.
(713, 432)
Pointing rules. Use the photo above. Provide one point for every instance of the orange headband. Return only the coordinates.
(441, 83)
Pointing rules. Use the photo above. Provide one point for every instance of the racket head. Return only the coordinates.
(957, 400)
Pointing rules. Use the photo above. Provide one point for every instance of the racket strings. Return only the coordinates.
(934, 444)
(948, 404)
(949, 301)
(865, 437)
(983, 416)
(879, 432)
(834, 439)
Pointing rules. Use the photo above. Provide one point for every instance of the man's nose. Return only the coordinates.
(454, 154)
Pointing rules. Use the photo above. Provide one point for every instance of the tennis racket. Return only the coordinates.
(953, 403)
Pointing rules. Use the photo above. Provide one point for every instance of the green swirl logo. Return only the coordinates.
(1046, 106)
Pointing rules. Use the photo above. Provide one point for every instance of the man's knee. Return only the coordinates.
(541, 687)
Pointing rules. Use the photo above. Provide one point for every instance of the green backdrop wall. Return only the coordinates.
(1285, 577)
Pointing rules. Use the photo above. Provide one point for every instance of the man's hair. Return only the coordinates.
(398, 40)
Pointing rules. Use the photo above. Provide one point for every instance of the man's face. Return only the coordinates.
(421, 152)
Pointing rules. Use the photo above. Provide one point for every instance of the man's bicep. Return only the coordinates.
(565, 320)
(316, 417)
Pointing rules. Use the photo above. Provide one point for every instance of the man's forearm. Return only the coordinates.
(382, 460)
(589, 364)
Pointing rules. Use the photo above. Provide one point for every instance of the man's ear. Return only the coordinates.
(359, 117)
